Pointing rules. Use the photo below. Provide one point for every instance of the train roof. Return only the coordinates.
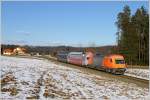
(115, 55)
(76, 53)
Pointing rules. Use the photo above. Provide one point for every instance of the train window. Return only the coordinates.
(120, 61)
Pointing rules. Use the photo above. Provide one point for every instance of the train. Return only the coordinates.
(112, 63)
(62, 56)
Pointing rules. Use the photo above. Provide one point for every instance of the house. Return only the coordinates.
(7, 52)
(19, 51)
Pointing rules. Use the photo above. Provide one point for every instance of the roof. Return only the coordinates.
(8, 50)
(115, 55)
(76, 53)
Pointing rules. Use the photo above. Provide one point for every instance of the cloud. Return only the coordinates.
(23, 32)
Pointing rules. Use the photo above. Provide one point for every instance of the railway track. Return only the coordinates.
(138, 81)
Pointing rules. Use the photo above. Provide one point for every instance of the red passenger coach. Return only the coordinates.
(76, 58)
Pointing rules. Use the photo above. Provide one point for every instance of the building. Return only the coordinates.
(19, 51)
(8, 52)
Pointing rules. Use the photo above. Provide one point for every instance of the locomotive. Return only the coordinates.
(113, 63)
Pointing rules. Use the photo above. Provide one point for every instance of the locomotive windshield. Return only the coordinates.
(120, 61)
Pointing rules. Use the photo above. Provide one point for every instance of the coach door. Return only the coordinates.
(84, 60)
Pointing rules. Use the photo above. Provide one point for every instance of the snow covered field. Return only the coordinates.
(24, 78)
(139, 73)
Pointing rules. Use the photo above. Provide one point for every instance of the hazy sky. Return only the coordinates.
(62, 23)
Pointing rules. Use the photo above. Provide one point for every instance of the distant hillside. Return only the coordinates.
(44, 50)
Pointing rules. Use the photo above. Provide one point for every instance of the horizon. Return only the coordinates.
(57, 23)
(21, 45)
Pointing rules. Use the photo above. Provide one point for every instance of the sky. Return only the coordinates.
(56, 23)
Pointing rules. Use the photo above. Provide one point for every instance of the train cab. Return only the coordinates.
(114, 63)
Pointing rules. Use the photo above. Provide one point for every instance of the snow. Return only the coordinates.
(139, 73)
(42, 79)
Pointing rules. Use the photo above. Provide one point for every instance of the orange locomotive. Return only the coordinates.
(114, 64)
(111, 63)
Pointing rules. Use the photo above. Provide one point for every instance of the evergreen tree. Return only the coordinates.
(133, 35)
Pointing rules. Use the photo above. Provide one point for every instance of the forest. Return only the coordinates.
(133, 35)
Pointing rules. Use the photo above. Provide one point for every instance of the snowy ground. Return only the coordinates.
(24, 78)
(139, 73)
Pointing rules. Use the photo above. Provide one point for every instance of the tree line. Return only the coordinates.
(52, 50)
(133, 35)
